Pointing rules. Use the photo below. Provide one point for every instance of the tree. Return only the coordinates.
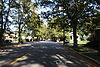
(74, 11)
(23, 10)
(17, 16)
(5, 7)
(25, 17)
(34, 23)
(60, 24)
(43, 32)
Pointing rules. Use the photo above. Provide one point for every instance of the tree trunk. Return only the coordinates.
(19, 40)
(1, 30)
(7, 16)
(97, 39)
(19, 23)
(74, 24)
(2, 24)
(64, 37)
(1, 36)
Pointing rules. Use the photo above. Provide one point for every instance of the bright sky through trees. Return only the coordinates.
(38, 10)
(42, 9)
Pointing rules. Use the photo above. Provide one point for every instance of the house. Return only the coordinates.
(71, 36)
(9, 35)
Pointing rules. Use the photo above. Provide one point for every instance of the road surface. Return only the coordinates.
(39, 54)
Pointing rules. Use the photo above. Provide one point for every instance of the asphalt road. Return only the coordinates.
(39, 54)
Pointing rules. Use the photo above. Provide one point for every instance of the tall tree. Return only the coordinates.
(61, 24)
(5, 6)
(24, 15)
(31, 19)
(73, 10)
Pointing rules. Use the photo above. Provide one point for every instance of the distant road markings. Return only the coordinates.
(20, 58)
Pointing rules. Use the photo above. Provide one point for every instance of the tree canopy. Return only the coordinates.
(76, 13)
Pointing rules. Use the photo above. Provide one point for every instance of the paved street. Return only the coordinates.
(39, 54)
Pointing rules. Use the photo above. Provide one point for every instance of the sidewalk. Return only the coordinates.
(82, 57)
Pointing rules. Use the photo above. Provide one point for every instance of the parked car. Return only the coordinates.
(8, 41)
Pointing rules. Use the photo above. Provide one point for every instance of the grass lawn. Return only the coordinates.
(82, 42)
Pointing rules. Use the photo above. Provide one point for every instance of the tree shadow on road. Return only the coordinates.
(7, 65)
(30, 56)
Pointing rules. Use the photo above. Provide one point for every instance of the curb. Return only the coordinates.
(88, 60)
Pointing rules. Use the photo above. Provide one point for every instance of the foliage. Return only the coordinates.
(59, 23)
(25, 18)
(5, 7)
(75, 13)
(43, 32)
